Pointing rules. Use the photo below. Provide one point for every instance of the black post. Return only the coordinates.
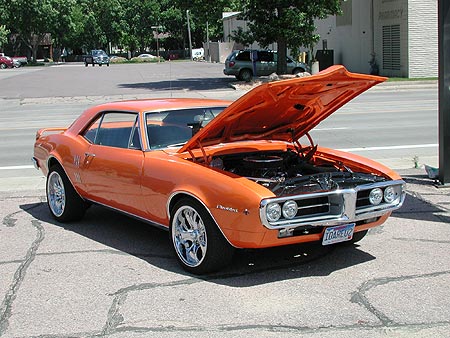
(444, 91)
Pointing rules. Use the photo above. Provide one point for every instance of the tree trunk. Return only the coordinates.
(282, 55)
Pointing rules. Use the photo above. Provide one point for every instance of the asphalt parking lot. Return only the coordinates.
(112, 276)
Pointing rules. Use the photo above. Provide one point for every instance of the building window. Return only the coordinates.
(391, 47)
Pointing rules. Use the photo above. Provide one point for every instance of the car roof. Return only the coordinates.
(160, 104)
(145, 105)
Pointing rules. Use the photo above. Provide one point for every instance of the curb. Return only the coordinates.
(388, 85)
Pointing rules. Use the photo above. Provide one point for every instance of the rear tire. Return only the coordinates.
(297, 71)
(63, 201)
(246, 75)
(199, 245)
(3, 66)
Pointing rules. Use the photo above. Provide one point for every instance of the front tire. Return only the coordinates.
(63, 201)
(357, 236)
(199, 245)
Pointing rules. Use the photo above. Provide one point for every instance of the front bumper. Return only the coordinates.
(334, 207)
(101, 61)
(35, 162)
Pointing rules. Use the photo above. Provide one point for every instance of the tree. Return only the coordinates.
(61, 25)
(4, 31)
(140, 16)
(110, 17)
(203, 15)
(31, 20)
(3, 35)
(288, 23)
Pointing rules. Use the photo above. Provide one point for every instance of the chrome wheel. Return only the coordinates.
(189, 236)
(56, 194)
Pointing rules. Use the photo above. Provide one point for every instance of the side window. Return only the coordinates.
(115, 129)
(91, 132)
(265, 56)
(244, 56)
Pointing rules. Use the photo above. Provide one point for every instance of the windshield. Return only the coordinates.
(174, 128)
(98, 52)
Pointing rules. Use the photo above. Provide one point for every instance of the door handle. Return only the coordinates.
(87, 157)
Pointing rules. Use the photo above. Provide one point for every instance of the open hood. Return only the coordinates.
(283, 110)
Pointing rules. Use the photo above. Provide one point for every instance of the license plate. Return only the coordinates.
(337, 234)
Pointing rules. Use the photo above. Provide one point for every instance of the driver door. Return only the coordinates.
(112, 166)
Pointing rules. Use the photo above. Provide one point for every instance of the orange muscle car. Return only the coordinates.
(221, 175)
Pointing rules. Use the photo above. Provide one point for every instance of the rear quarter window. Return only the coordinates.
(243, 56)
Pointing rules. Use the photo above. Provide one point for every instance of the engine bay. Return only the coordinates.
(292, 172)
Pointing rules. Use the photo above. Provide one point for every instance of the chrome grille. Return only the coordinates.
(334, 207)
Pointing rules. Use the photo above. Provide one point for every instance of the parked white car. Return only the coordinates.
(198, 54)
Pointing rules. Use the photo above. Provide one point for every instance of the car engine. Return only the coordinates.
(291, 173)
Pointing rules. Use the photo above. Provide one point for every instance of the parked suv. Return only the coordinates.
(239, 63)
(97, 56)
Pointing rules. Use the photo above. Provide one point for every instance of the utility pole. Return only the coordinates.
(157, 40)
(189, 34)
(208, 55)
(444, 91)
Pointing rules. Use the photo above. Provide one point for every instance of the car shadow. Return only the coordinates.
(194, 84)
(416, 207)
(248, 268)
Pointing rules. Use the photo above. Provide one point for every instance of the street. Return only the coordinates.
(389, 124)
(112, 276)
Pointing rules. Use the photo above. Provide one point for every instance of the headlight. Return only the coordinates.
(389, 194)
(290, 209)
(376, 196)
(273, 212)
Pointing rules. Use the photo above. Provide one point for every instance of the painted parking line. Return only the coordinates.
(17, 167)
(411, 146)
(328, 129)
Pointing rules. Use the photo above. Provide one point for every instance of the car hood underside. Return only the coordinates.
(283, 110)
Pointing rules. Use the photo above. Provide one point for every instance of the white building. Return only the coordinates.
(401, 34)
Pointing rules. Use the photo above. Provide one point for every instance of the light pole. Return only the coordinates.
(444, 91)
(189, 34)
(157, 39)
